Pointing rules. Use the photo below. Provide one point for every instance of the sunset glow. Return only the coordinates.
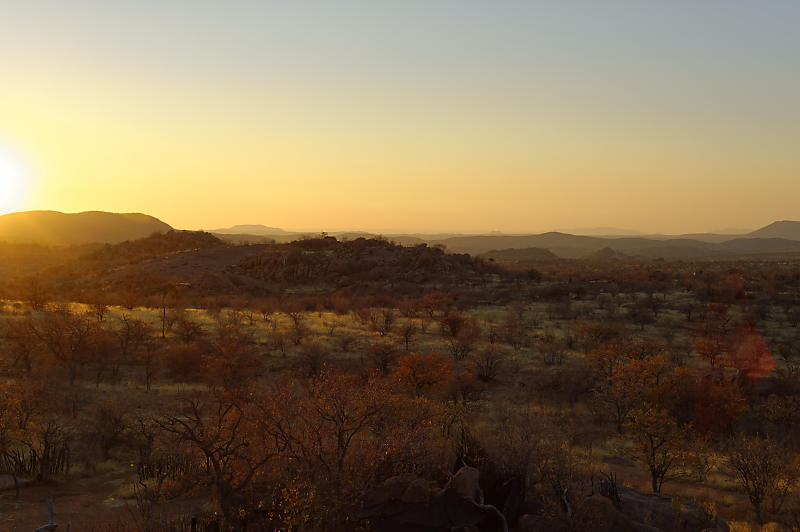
(457, 116)
(14, 181)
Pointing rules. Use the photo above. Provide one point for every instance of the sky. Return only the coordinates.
(435, 115)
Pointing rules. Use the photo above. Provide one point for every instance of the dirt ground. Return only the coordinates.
(85, 503)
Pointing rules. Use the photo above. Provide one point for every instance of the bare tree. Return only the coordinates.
(226, 435)
(765, 469)
(406, 333)
(67, 337)
(487, 362)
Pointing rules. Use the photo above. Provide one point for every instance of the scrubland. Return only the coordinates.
(289, 409)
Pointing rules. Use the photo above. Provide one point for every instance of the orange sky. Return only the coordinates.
(511, 116)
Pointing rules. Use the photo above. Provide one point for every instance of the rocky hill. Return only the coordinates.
(205, 265)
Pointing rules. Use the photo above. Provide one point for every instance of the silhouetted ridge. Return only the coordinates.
(58, 228)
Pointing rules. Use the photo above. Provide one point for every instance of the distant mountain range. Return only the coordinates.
(574, 246)
(600, 231)
(782, 237)
(52, 227)
(257, 230)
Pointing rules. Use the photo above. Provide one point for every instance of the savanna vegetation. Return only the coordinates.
(180, 383)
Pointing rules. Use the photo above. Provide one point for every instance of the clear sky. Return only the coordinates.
(406, 115)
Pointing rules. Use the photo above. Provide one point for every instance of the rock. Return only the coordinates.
(598, 513)
(409, 503)
(540, 523)
(392, 488)
(419, 490)
(466, 482)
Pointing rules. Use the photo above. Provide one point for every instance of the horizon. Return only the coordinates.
(461, 117)
(579, 231)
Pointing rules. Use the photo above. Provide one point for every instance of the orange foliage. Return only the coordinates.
(421, 373)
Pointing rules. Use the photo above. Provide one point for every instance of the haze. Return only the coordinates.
(414, 116)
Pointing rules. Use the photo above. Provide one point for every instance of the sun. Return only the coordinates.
(14, 181)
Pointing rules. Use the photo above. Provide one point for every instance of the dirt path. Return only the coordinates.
(86, 503)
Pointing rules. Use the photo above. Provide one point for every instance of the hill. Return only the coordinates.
(785, 229)
(58, 228)
(155, 245)
(576, 246)
(519, 255)
(204, 265)
(607, 254)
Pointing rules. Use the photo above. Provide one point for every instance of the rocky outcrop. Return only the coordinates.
(411, 504)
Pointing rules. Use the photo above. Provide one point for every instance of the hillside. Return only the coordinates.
(155, 245)
(206, 266)
(519, 254)
(58, 228)
(786, 229)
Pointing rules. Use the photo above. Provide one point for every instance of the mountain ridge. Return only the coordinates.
(58, 228)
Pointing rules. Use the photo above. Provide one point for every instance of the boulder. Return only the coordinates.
(466, 482)
(409, 503)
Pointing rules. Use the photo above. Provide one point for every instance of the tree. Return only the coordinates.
(406, 333)
(22, 341)
(324, 431)
(765, 469)
(487, 362)
(607, 358)
(35, 291)
(107, 426)
(188, 330)
(382, 354)
(712, 333)
(230, 365)
(148, 356)
(102, 353)
(437, 302)
(421, 373)
(593, 335)
(313, 357)
(717, 403)
(461, 333)
(298, 329)
(381, 321)
(658, 440)
(229, 437)
(10, 432)
(131, 334)
(711, 349)
(67, 337)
